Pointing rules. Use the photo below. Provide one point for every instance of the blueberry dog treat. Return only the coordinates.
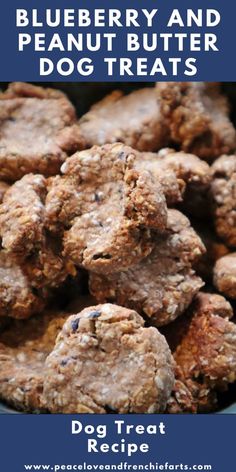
(204, 348)
(24, 346)
(225, 275)
(162, 285)
(38, 131)
(134, 119)
(198, 116)
(224, 198)
(105, 360)
(3, 188)
(17, 299)
(105, 208)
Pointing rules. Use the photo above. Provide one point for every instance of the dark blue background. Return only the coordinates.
(16, 65)
(45, 439)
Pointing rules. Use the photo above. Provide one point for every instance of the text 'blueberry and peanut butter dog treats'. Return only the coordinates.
(162, 285)
(105, 360)
(38, 131)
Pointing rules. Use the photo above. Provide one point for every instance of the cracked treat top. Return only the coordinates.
(224, 198)
(225, 275)
(204, 347)
(105, 360)
(38, 131)
(163, 284)
(198, 117)
(133, 119)
(105, 208)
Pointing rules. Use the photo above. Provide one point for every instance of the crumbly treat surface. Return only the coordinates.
(225, 275)
(204, 348)
(3, 188)
(134, 119)
(224, 198)
(162, 285)
(198, 117)
(22, 214)
(182, 176)
(24, 346)
(37, 131)
(105, 208)
(17, 299)
(105, 360)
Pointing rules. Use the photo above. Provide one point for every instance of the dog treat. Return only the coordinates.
(224, 198)
(133, 119)
(22, 215)
(105, 360)
(17, 299)
(24, 346)
(105, 208)
(204, 348)
(225, 275)
(182, 176)
(198, 116)
(3, 188)
(38, 131)
(162, 285)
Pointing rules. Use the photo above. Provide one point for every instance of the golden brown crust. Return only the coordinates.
(37, 131)
(198, 117)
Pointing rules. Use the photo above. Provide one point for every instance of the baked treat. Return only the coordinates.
(38, 131)
(105, 208)
(184, 177)
(104, 360)
(198, 116)
(23, 233)
(225, 275)
(224, 198)
(17, 299)
(204, 348)
(3, 188)
(22, 215)
(162, 285)
(133, 119)
(24, 346)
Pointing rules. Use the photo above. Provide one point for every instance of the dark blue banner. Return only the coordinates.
(115, 443)
(117, 41)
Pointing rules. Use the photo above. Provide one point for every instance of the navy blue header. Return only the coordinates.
(46, 442)
(135, 40)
